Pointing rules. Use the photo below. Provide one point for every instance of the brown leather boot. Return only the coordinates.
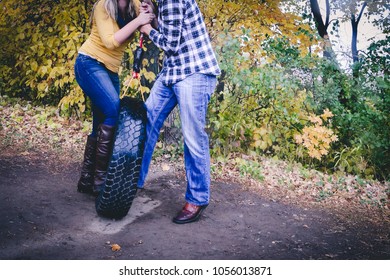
(85, 184)
(105, 143)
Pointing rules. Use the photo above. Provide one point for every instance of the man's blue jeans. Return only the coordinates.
(102, 87)
(192, 95)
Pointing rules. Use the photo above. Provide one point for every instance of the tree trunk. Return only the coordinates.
(322, 28)
(326, 44)
(355, 53)
(152, 54)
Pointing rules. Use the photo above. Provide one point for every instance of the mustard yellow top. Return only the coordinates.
(101, 43)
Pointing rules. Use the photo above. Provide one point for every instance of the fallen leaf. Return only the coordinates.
(115, 247)
(165, 167)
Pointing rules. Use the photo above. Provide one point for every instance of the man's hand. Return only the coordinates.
(145, 29)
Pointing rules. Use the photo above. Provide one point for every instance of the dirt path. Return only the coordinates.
(43, 217)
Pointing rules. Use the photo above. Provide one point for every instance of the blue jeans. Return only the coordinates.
(192, 95)
(102, 87)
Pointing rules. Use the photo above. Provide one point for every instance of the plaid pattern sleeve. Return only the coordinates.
(183, 37)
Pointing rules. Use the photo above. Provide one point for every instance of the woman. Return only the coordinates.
(113, 25)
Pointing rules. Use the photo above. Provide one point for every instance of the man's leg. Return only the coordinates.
(193, 95)
(159, 104)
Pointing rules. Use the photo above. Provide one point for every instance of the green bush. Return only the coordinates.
(263, 107)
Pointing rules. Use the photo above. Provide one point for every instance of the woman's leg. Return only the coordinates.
(102, 87)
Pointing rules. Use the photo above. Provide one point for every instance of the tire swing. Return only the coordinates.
(118, 193)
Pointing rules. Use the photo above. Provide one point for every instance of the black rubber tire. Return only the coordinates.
(116, 197)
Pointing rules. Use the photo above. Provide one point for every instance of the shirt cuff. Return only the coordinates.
(153, 35)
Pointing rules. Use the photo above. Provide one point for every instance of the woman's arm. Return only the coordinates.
(110, 36)
(124, 33)
(148, 7)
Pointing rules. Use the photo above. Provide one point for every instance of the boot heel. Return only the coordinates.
(85, 182)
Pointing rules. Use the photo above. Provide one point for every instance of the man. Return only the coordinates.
(188, 78)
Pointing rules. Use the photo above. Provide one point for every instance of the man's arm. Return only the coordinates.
(170, 26)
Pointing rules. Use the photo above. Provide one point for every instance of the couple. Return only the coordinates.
(188, 78)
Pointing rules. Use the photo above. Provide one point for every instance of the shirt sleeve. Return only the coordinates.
(106, 27)
(171, 16)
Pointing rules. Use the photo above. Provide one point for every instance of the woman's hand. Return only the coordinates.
(147, 7)
(145, 18)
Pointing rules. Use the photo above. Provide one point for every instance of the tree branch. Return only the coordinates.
(361, 12)
(315, 9)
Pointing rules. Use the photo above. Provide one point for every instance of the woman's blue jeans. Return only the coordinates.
(102, 87)
(192, 95)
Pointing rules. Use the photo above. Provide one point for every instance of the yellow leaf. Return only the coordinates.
(165, 167)
(134, 83)
(263, 145)
(263, 131)
(115, 247)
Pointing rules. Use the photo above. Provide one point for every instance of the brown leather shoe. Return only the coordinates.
(190, 213)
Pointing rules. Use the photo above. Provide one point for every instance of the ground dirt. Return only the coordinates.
(43, 217)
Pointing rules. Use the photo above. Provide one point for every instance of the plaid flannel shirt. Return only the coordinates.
(182, 35)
